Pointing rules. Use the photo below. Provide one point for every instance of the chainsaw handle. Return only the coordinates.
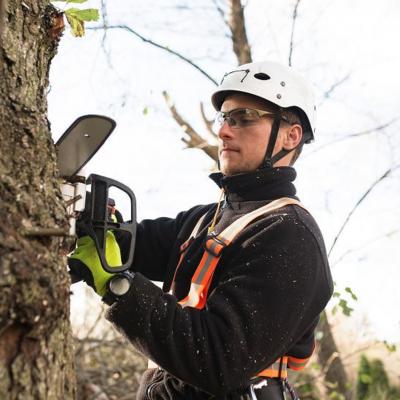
(96, 222)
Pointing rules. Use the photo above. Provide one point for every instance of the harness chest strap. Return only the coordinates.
(202, 277)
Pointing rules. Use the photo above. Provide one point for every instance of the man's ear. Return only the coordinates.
(292, 137)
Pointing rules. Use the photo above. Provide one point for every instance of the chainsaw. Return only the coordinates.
(91, 210)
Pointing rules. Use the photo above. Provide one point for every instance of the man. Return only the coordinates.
(245, 279)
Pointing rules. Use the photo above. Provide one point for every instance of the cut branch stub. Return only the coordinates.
(194, 140)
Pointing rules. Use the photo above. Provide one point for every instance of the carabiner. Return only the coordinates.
(252, 393)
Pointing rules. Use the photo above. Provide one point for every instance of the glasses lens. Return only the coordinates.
(219, 120)
(239, 118)
(244, 117)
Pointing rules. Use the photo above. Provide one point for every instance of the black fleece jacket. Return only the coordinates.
(268, 290)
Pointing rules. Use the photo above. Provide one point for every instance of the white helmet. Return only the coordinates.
(276, 83)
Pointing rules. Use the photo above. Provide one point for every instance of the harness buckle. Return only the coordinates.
(215, 244)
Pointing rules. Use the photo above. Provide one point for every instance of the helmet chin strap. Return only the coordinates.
(270, 160)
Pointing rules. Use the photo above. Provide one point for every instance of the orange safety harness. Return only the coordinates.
(203, 275)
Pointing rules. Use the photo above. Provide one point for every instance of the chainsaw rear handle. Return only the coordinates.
(96, 221)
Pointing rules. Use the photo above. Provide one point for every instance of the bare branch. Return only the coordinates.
(104, 38)
(363, 197)
(88, 334)
(221, 12)
(294, 18)
(350, 251)
(355, 135)
(167, 49)
(335, 355)
(105, 21)
(208, 123)
(372, 130)
(336, 85)
(194, 140)
(236, 23)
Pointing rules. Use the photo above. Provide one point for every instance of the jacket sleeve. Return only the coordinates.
(158, 241)
(276, 285)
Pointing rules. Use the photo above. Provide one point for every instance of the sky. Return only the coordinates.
(352, 41)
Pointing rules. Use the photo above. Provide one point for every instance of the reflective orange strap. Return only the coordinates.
(279, 368)
(297, 364)
(276, 370)
(202, 277)
(184, 247)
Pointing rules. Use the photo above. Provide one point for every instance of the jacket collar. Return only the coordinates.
(263, 184)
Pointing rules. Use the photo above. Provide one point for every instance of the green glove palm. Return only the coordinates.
(85, 262)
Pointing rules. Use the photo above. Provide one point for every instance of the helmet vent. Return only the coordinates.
(262, 76)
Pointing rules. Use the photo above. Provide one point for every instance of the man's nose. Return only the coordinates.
(226, 131)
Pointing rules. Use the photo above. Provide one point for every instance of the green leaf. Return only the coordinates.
(145, 110)
(353, 296)
(345, 308)
(76, 18)
(390, 346)
(77, 25)
(364, 378)
(89, 14)
(336, 294)
(315, 366)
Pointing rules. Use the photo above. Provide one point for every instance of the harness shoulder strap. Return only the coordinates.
(214, 245)
(229, 233)
(184, 247)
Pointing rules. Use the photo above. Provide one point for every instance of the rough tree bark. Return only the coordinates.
(336, 379)
(36, 358)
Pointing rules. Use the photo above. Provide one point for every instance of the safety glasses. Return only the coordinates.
(240, 118)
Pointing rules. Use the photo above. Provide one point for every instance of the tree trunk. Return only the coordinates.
(36, 357)
(336, 379)
(237, 25)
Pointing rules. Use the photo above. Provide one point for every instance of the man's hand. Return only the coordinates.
(85, 262)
